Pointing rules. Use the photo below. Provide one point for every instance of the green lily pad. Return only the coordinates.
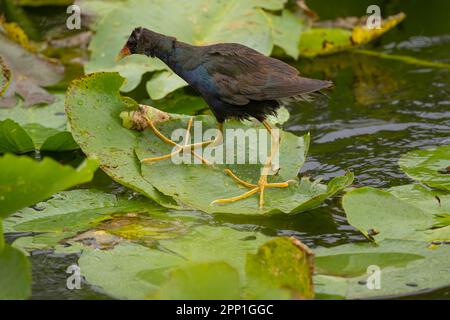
(410, 250)
(103, 136)
(321, 41)
(207, 243)
(324, 40)
(5, 77)
(130, 271)
(406, 267)
(15, 274)
(428, 166)
(442, 220)
(93, 212)
(135, 272)
(58, 141)
(25, 181)
(281, 269)
(45, 126)
(198, 22)
(14, 139)
(403, 222)
(198, 185)
(281, 264)
(49, 116)
(431, 201)
(205, 263)
(288, 41)
(100, 8)
(383, 215)
(355, 264)
(201, 281)
(19, 140)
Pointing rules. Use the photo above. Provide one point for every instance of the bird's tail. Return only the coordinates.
(309, 90)
(308, 85)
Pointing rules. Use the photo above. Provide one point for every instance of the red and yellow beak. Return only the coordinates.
(123, 53)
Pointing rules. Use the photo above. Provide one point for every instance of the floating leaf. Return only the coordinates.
(281, 263)
(287, 40)
(93, 212)
(203, 184)
(442, 220)
(401, 220)
(15, 273)
(163, 83)
(426, 166)
(99, 8)
(381, 215)
(323, 41)
(59, 141)
(361, 34)
(406, 267)
(49, 116)
(135, 272)
(25, 181)
(30, 73)
(428, 200)
(355, 264)
(129, 271)
(103, 136)
(205, 263)
(154, 263)
(201, 281)
(19, 140)
(207, 243)
(13, 138)
(198, 22)
(45, 126)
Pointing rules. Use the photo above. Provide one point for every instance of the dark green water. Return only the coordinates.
(377, 111)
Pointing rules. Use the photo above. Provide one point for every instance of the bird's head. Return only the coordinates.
(133, 44)
(144, 41)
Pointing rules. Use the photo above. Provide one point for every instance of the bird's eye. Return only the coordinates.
(131, 43)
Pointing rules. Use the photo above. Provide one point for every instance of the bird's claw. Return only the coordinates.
(254, 188)
(179, 148)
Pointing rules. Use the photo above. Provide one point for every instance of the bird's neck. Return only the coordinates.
(177, 56)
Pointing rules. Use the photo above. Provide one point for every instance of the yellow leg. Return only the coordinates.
(182, 147)
(262, 183)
